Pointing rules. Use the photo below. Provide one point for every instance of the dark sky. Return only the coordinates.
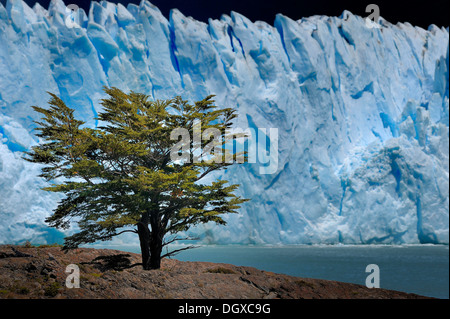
(420, 13)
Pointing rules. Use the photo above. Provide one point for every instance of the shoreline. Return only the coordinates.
(40, 272)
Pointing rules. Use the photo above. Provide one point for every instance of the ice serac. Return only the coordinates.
(362, 112)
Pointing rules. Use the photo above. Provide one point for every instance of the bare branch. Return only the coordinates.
(127, 231)
(179, 238)
(123, 231)
(176, 251)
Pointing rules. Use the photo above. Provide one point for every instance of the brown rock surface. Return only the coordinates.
(39, 272)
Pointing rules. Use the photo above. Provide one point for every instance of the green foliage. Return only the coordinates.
(303, 283)
(52, 289)
(23, 290)
(220, 270)
(121, 173)
(28, 244)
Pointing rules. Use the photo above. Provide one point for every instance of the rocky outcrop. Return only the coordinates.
(40, 272)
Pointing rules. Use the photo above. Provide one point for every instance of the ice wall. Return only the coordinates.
(362, 113)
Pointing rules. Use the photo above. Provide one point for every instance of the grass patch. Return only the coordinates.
(51, 245)
(52, 289)
(303, 283)
(220, 270)
(27, 244)
(22, 290)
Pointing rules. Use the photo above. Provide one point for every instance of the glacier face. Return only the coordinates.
(362, 114)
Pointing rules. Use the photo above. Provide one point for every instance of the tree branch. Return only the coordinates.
(123, 231)
(176, 251)
(178, 238)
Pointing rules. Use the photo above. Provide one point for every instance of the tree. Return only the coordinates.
(125, 176)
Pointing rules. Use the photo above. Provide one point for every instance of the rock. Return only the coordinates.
(31, 267)
(19, 253)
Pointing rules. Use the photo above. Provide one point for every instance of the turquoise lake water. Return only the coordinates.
(421, 269)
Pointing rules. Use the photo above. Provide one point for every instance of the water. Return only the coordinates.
(418, 269)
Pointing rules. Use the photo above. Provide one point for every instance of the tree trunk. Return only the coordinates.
(155, 252)
(155, 243)
(151, 246)
(144, 240)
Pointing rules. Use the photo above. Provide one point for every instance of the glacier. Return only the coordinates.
(362, 114)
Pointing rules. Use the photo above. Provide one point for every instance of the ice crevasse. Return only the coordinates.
(362, 114)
